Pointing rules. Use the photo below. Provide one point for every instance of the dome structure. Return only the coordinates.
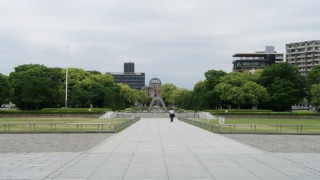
(154, 91)
(155, 81)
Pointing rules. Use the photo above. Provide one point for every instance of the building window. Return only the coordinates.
(255, 63)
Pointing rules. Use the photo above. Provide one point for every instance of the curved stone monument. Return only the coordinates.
(153, 91)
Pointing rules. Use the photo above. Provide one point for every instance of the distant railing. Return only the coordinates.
(29, 127)
(206, 126)
(155, 115)
(100, 127)
(120, 127)
(65, 127)
(256, 128)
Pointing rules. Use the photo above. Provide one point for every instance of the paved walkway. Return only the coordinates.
(158, 149)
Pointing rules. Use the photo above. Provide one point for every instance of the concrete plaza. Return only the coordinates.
(158, 149)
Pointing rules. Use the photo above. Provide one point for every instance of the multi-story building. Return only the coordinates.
(128, 67)
(305, 55)
(257, 60)
(129, 77)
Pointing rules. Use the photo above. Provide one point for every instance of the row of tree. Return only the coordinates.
(34, 86)
(277, 87)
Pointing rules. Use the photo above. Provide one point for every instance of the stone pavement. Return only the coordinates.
(158, 149)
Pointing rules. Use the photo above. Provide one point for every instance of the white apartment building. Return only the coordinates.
(305, 55)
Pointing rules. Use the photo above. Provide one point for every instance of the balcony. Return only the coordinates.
(290, 47)
(309, 44)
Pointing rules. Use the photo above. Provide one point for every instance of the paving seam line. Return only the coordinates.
(66, 165)
(195, 135)
(190, 149)
(125, 172)
(164, 157)
(314, 171)
(101, 144)
(272, 155)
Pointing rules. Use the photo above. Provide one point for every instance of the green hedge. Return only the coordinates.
(75, 110)
(222, 113)
(59, 111)
(239, 110)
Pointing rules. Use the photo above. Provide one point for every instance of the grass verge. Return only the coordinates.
(44, 125)
(265, 125)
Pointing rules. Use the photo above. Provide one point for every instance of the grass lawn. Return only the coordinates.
(265, 125)
(58, 124)
(264, 121)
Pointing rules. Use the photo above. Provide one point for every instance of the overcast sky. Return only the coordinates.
(176, 41)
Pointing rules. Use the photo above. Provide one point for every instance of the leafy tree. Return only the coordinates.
(79, 97)
(143, 98)
(4, 89)
(128, 95)
(314, 76)
(179, 97)
(203, 96)
(199, 96)
(240, 89)
(213, 78)
(253, 94)
(88, 88)
(98, 85)
(315, 92)
(111, 98)
(166, 91)
(284, 84)
(36, 86)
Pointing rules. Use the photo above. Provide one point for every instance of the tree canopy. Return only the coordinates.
(36, 86)
(277, 87)
(240, 89)
(284, 84)
(5, 89)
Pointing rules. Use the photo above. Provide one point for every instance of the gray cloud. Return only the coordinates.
(176, 41)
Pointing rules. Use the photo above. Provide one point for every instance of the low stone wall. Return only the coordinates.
(156, 115)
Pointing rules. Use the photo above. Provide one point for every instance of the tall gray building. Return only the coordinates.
(305, 55)
(129, 77)
(128, 67)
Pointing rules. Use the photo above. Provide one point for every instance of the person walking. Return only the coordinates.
(171, 114)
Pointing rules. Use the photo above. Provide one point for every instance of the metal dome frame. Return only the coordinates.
(155, 81)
